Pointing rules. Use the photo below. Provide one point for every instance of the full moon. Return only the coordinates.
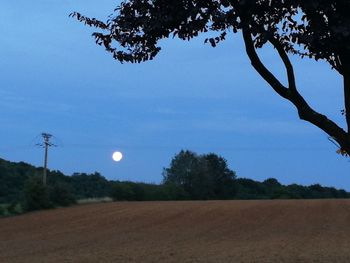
(117, 156)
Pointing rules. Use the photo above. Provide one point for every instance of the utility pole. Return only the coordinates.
(46, 144)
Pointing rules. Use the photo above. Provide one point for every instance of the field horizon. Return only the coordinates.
(182, 231)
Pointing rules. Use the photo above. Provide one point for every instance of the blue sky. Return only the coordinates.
(192, 96)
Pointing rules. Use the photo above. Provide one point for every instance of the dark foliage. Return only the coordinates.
(61, 194)
(323, 27)
(189, 177)
(250, 189)
(14, 209)
(14, 175)
(319, 29)
(131, 191)
(89, 185)
(201, 176)
(122, 192)
(12, 179)
(36, 195)
(2, 211)
(272, 189)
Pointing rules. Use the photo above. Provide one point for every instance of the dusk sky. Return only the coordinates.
(55, 79)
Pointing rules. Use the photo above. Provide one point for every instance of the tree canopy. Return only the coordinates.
(319, 29)
(201, 176)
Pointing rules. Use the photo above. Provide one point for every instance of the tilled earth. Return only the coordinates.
(202, 231)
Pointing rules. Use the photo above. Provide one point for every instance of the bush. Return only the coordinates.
(172, 192)
(122, 192)
(14, 209)
(139, 192)
(61, 195)
(2, 211)
(94, 200)
(36, 195)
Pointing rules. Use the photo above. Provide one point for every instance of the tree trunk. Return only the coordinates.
(346, 76)
(345, 71)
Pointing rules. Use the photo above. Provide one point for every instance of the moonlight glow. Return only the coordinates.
(117, 156)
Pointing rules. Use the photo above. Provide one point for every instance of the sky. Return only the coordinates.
(55, 79)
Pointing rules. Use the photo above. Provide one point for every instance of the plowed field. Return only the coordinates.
(213, 231)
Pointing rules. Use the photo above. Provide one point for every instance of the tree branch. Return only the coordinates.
(304, 110)
(287, 64)
(259, 66)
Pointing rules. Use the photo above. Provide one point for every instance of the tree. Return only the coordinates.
(250, 189)
(319, 29)
(90, 185)
(182, 170)
(222, 179)
(201, 176)
(271, 182)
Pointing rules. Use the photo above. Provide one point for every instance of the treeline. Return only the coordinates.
(272, 189)
(189, 177)
(15, 177)
(21, 188)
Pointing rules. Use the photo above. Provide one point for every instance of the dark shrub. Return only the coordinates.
(122, 192)
(14, 208)
(61, 195)
(2, 211)
(36, 195)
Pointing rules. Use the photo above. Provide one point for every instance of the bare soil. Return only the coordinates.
(203, 231)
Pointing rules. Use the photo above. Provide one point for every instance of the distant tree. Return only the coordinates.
(297, 191)
(342, 194)
(271, 182)
(201, 176)
(12, 179)
(250, 189)
(221, 178)
(183, 170)
(318, 191)
(318, 29)
(275, 189)
(90, 185)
